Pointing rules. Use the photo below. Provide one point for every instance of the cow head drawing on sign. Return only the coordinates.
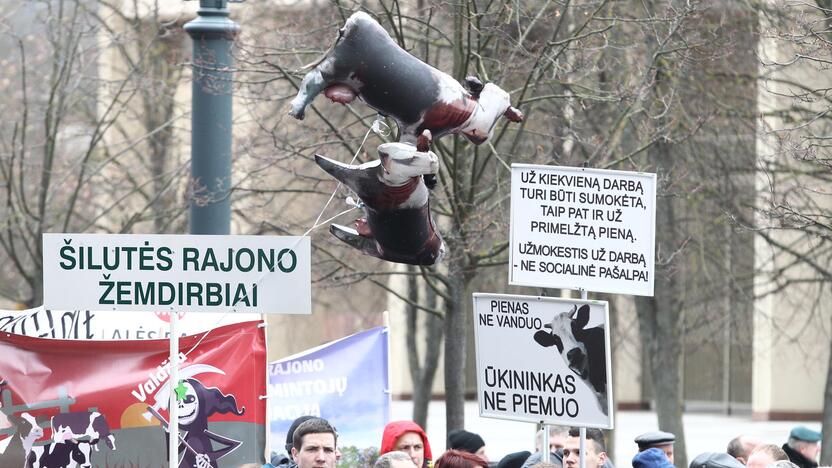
(583, 350)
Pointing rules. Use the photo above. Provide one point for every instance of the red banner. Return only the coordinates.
(80, 403)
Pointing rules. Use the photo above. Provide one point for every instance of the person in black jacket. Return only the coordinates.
(803, 447)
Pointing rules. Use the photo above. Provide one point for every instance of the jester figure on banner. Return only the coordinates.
(81, 403)
(425, 103)
(198, 446)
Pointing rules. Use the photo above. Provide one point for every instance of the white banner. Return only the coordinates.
(543, 359)
(581, 228)
(93, 325)
(182, 273)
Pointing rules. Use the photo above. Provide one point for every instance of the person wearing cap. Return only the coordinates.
(460, 439)
(408, 437)
(803, 447)
(651, 458)
(658, 439)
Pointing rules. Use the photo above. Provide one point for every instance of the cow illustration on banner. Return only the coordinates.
(97, 403)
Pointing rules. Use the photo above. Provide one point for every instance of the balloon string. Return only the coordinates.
(497, 155)
(378, 127)
(315, 225)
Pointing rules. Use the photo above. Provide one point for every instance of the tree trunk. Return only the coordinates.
(665, 367)
(660, 317)
(826, 432)
(422, 371)
(455, 352)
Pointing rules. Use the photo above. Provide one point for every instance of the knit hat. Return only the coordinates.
(513, 460)
(805, 434)
(290, 435)
(460, 439)
(651, 458)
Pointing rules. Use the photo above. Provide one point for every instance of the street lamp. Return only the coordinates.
(212, 33)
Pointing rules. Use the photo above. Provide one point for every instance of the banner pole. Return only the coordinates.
(584, 297)
(389, 389)
(173, 404)
(544, 445)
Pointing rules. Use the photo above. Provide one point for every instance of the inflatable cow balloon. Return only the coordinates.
(365, 62)
(425, 103)
(397, 226)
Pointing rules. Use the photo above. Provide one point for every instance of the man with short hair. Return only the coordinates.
(741, 447)
(313, 444)
(659, 439)
(595, 450)
(764, 455)
(803, 447)
(285, 460)
(394, 459)
(557, 436)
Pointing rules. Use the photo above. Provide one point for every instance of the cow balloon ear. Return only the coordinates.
(544, 338)
(474, 86)
(582, 316)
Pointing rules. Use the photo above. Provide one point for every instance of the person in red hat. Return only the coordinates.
(408, 437)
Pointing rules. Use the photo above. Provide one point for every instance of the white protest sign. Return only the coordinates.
(582, 228)
(137, 272)
(543, 359)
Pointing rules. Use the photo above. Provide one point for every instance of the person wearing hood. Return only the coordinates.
(408, 437)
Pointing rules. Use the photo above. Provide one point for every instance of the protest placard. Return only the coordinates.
(582, 228)
(138, 272)
(543, 359)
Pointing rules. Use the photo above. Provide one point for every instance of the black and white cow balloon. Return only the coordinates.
(365, 62)
(397, 225)
(425, 103)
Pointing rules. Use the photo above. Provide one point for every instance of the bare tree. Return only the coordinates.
(602, 84)
(68, 162)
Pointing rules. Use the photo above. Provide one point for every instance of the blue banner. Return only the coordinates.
(344, 381)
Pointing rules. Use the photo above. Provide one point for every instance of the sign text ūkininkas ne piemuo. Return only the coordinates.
(177, 272)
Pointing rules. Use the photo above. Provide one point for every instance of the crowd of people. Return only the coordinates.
(311, 442)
